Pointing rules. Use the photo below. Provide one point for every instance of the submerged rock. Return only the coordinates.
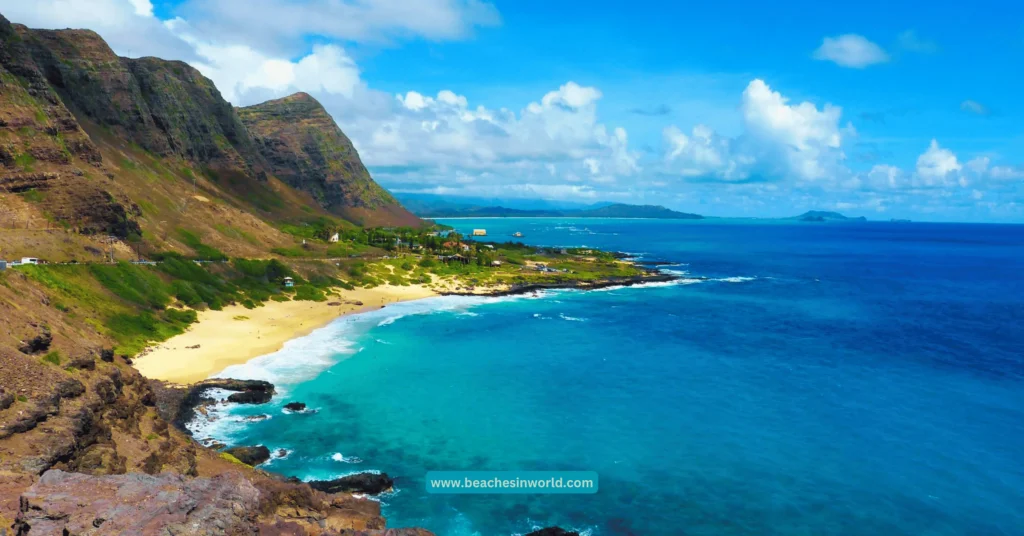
(250, 455)
(369, 483)
(553, 531)
(295, 406)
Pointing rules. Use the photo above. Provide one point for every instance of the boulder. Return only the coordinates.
(37, 344)
(251, 397)
(250, 455)
(295, 406)
(369, 483)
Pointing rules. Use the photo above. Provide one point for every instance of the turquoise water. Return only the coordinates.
(826, 379)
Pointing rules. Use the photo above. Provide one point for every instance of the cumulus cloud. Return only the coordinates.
(851, 50)
(780, 140)
(128, 26)
(245, 75)
(936, 166)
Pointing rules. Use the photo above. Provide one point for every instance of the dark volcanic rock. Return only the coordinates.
(251, 397)
(250, 455)
(295, 406)
(6, 399)
(369, 483)
(305, 148)
(107, 355)
(553, 531)
(37, 344)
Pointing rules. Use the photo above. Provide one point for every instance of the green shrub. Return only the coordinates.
(202, 250)
(133, 283)
(53, 358)
(309, 293)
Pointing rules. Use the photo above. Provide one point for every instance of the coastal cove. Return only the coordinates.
(792, 377)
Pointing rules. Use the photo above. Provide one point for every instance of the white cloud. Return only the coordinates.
(279, 24)
(143, 8)
(936, 166)
(128, 26)
(974, 107)
(780, 140)
(851, 50)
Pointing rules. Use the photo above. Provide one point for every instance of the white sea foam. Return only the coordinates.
(338, 457)
(736, 279)
(306, 357)
(571, 318)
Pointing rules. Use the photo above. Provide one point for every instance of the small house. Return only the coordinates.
(479, 232)
(495, 263)
(334, 238)
(517, 234)
(29, 260)
(3, 265)
(289, 282)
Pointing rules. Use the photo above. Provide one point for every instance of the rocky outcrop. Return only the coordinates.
(305, 148)
(39, 343)
(369, 483)
(250, 455)
(178, 405)
(137, 504)
(251, 397)
(295, 406)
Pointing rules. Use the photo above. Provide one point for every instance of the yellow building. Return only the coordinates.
(479, 232)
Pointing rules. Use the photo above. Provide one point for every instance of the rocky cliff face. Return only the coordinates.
(44, 150)
(66, 95)
(305, 148)
(166, 107)
(85, 448)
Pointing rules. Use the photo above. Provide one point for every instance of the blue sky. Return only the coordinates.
(882, 109)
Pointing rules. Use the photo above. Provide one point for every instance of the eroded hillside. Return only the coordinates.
(147, 151)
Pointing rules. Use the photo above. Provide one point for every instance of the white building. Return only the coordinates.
(335, 237)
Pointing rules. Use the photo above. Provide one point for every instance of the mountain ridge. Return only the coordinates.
(98, 144)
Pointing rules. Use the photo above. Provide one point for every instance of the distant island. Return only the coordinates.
(824, 216)
(606, 211)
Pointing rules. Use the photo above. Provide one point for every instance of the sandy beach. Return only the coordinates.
(236, 334)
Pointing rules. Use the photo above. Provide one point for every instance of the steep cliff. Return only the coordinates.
(166, 107)
(306, 149)
(44, 152)
(93, 143)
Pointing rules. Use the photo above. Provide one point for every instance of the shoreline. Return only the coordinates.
(236, 335)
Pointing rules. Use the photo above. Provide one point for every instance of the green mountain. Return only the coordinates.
(149, 149)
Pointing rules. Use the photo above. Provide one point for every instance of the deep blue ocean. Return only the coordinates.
(826, 379)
